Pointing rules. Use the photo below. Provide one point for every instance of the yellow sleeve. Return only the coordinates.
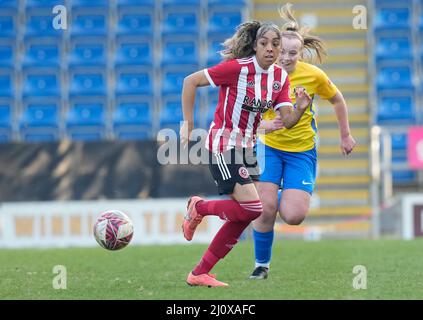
(325, 88)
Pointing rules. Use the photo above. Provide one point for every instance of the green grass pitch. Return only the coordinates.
(299, 270)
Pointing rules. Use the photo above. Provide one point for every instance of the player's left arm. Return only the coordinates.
(341, 112)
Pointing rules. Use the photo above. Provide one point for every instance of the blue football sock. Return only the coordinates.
(263, 247)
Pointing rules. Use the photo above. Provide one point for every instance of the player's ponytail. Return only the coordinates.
(242, 43)
(314, 46)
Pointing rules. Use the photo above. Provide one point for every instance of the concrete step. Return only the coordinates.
(342, 197)
(335, 150)
(348, 166)
(343, 180)
(330, 117)
(334, 133)
(341, 211)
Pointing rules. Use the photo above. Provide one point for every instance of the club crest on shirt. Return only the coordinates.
(250, 84)
(243, 172)
(277, 87)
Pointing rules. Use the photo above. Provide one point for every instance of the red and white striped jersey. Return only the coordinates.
(246, 92)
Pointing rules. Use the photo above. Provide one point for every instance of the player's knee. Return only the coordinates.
(252, 210)
(294, 220)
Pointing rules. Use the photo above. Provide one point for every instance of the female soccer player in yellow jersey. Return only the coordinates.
(289, 155)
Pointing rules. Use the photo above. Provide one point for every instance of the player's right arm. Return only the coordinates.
(189, 88)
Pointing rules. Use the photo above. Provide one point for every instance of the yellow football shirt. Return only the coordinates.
(301, 137)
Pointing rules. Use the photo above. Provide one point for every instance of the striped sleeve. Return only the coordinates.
(283, 99)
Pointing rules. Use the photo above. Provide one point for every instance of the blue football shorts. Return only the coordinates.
(291, 170)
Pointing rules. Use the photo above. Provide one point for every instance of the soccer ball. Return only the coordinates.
(113, 230)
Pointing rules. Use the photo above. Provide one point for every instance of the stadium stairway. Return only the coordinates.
(341, 203)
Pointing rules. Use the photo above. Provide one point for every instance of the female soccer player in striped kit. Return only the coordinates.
(250, 84)
(290, 155)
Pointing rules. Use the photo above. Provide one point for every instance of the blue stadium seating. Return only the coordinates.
(177, 53)
(220, 3)
(88, 4)
(171, 114)
(133, 23)
(133, 120)
(181, 23)
(6, 86)
(393, 48)
(86, 121)
(172, 81)
(211, 109)
(41, 55)
(7, 27)
(177, 3)
(35, 4)
(134, 53)
(394, 78)
(391, 19)
(86, 24)
(6, 120)
(40, 122)
(88, 54)
(404, 176)
(150, 3)
(41, 25)
(7, 56)
(8, 4)
(399, 141)
(41, 85)
(134, 83)
(213, 48)
(396, 109)
(220, 22)
(87, 84)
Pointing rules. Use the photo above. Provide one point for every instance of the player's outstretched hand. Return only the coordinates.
(272, 125)
(347, 144)
(302, 98)
(185, 133)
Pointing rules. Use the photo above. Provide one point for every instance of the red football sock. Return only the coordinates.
(223, 242)
(231, 210)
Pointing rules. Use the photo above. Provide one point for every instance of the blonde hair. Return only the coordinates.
(291, 29)
(242, 43)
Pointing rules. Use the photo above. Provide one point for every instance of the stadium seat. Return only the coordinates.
(84, 53)
(404, 177)
(133, 120)
(7, 54)
(134, 53)
(85, 24)
(172, 81)
(40, 122)
(6, 122)
(134, 83)
(88, 4)
(133, 23)
(393, 48)
(41, 55)
(135, 3)
(179, 53)
(41, 85)
(178, 3)
(7, 27)
(220, 3)
(391, 19)
(86, 121)
(394, 78)
(6, 86)
(396, 109)
(8, 4)
(171, 114)
(35, 4)
(223, 22)
(41, 26)
(180, 23)
(399, 141)
(87, 84)
(213, 48)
